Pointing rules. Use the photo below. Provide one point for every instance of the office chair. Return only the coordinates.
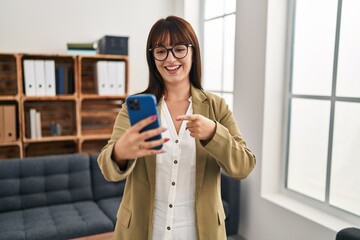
(348, 234)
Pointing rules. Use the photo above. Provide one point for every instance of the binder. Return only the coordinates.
(29, 77)
(112, 75)
(40, 78)
(2, 120)
(120, 79)
(102, 78)
(50, 77)
(9, 123)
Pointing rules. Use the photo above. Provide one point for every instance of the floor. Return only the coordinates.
(236, 237)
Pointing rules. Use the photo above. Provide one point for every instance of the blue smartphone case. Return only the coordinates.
(142, 106)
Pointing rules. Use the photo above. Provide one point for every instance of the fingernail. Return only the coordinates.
(164, 129)
(166, 139)
(153, 117)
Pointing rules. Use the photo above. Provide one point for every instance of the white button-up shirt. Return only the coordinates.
(174, 210)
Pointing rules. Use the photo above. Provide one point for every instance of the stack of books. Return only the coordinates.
(85, 48)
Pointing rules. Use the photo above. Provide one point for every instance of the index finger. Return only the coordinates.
(144, 122)
(185, 117)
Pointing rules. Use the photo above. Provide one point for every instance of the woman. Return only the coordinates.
(174, 193)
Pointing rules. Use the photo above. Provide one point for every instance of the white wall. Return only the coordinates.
(40, 26)
(260, 219)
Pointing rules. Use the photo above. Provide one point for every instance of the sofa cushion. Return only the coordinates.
(42, 181)
(110, 207)
(102, 188)
(62, 221)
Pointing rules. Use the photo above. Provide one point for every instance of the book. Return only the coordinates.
(38, 125)
(60, 72)
(33, 130)
(86, 52)
(29, 77)
(82, 45)
(9, 123)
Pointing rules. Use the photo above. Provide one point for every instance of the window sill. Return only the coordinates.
(311, 213)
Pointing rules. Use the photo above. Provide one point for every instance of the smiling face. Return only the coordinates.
(174, 70)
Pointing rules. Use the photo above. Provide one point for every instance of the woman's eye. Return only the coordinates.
(160, 51)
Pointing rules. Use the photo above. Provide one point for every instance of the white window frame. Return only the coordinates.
(203, 20)
(274, 133)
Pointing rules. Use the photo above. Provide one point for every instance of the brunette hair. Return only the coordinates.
(179, 31)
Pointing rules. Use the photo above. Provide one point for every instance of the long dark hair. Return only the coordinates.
(179, 31)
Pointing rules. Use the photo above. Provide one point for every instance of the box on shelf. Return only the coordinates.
(113, 45)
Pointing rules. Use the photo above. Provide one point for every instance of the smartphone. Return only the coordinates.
(142, 106)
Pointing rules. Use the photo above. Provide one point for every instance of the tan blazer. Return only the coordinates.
(227, 151)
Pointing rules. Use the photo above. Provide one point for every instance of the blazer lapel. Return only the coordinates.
(199, 107)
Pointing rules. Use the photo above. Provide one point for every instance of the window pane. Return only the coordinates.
(314, 41)
(229, 52)
(348, 73)
(345, 167)
(229, 99)
(213, 52)
(309, 132)
(230, 6)
(213, 8)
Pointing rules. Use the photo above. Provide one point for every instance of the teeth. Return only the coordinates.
(172, 68)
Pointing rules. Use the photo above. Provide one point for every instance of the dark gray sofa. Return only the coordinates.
(66, 196)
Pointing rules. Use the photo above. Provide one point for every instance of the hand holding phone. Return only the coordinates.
(140, 107)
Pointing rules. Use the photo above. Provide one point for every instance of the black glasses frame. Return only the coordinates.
(171, 49)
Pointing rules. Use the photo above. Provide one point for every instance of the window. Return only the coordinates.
(323, 139)
(219, 47)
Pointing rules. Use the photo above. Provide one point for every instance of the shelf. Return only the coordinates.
(93, 146)
(50, 148)
(8, 76)
(52, 112)
(98, 116)
(10, 151)
(86, 118)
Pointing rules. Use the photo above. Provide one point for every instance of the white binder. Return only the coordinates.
(112, 74)
(120, 78)
(40, 78)
(102, 78)
(50, 77)
(29, 77)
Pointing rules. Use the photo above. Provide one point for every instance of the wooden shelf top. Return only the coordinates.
(9, 98)
(50, 139)
(6, 144)
(95, 96)
(49, 98)
(96, 137)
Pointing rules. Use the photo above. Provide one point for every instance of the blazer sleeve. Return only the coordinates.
(227, 147)
(107, 164)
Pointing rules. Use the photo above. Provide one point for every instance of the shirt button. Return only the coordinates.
(176, 141)
(175, 161)
(173, 183)
(170, 205)
(168, 228)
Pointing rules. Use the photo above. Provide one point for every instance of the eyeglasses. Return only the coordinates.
(179, 51)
